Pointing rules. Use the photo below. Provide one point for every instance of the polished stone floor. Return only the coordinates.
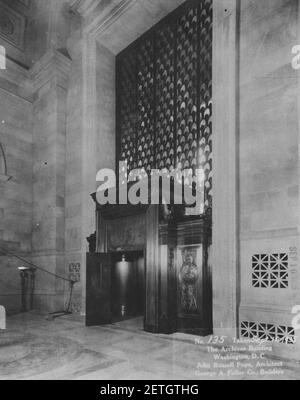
(34, 348)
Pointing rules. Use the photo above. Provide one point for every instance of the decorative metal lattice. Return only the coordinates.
(271, 332)
(165, 98)
(205, 96)
(127, 109)
(146, 131)
(270, 271)
(164, 95)
(187, 131)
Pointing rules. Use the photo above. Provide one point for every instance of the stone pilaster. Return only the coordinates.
(225, 167)
(49, 82)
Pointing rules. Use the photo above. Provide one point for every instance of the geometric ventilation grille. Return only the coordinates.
(270, 271)
(274, 333)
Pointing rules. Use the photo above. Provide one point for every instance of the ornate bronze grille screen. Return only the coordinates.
(164, 95)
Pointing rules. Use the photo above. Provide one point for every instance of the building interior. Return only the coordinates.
(151, 289)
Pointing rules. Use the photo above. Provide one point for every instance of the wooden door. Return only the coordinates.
(98, 289)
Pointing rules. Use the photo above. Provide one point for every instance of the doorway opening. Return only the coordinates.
(115, 284)
(128, 286)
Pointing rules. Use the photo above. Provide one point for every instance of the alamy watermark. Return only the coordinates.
(2, 57)
(296, 319)
(161, 186)
(296, 58)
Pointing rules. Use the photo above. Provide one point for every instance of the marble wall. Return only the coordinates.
(269, 170)
(16, 194)
(33, 134)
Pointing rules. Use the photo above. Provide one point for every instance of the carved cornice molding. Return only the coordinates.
(53, 65)
(98, 15)
(83, 7)
(14, 74)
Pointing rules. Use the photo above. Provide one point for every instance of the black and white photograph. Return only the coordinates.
(149, 193)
